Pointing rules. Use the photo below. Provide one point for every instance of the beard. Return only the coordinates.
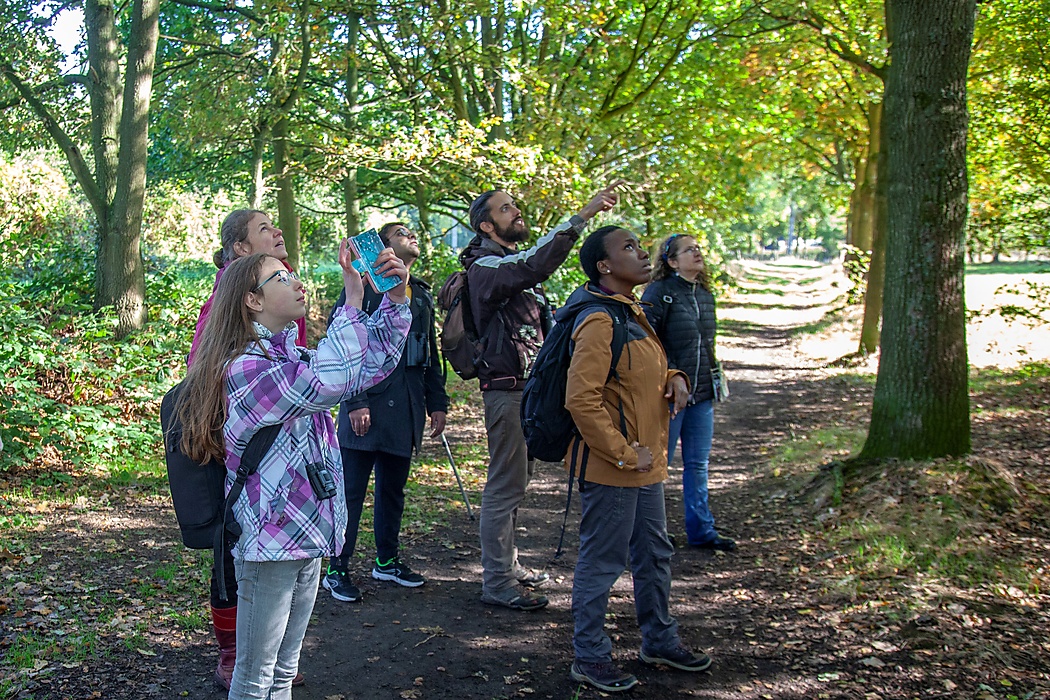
(515, 233)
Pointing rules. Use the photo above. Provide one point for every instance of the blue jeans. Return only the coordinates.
(275, 599)
(618, 521)
(696, 426)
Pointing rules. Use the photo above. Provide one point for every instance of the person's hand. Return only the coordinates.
(360, 421)
(388, 264)
(355, 290)
(645, 457)
(677, 393)
(605, 200)
(437, 423)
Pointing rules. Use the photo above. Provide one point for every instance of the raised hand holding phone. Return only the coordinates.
(355, 290)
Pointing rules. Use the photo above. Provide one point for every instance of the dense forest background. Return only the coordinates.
(129, 130)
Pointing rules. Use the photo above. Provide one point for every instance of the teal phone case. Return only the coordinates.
(368, 246)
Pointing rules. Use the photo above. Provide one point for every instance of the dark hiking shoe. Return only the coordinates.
(397, 571)
(338, 583)
(719, 543)
(603, 676)
(515, 599)
(678, 657)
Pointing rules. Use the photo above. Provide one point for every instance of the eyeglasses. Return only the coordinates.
(691, 250)
(404, 233)
(286, 277)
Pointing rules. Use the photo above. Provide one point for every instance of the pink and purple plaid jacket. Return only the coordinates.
(280, 517)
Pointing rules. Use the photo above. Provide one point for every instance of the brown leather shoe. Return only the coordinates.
(299, 680)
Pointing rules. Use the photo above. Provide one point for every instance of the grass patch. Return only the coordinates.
(817, 447)
(1018, 267)
(821, 324)
(940, 519)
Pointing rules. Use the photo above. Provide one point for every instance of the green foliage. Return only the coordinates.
(72, 392)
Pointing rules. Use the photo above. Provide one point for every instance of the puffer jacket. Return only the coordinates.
(505, 289)
(280, 517)
(593, 397)
(683, 315)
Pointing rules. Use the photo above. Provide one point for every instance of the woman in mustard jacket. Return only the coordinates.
(622, 497)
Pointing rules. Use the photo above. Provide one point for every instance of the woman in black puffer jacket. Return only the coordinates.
(682, 313)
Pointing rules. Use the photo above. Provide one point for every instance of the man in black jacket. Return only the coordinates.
(380, 428)
(511, 312)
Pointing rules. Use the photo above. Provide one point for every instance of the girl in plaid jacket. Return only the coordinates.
(249, 373)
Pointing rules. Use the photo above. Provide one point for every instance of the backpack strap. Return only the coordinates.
(230, 530)
(576, 442)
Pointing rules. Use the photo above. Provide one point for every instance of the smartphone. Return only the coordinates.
(367, 246)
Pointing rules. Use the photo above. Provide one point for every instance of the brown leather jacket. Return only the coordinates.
(593, 398)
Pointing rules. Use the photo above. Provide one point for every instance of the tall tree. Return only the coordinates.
(114, 184)
(921, 403)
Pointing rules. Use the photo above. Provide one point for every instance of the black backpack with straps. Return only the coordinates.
(546, 422)
(198, 491)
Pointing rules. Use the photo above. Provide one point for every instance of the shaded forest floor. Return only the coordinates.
(909, 580)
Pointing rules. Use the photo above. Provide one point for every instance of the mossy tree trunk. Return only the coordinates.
(921, 403)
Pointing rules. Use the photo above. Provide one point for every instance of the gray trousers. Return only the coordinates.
(510, 470)
(617, 522)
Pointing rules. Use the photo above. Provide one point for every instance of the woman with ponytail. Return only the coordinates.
(243, 232)
(682, 311)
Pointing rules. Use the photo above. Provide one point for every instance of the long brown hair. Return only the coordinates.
(234, 230)
(670, 247)
(227, 334)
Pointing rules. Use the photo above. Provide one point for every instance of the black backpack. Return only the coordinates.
(204, 511)
(546, 422)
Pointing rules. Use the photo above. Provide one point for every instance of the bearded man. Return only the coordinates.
(512, 313)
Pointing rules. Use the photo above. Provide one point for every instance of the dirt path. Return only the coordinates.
(441, 642)
(777, 617)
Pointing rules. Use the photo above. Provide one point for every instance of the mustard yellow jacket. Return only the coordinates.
(594, 402)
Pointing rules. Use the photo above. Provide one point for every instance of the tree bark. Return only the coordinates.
(121, 267)
(921, 404)
(874, 229)
(351, 200)
(286, 214)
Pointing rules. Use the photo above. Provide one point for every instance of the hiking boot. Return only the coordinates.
(604, 675)
(719, 543)
(397, 571)
(679, 657)
(530, 578)
(515, 599)
(338, 583)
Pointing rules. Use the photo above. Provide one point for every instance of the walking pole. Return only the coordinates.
(463, 491)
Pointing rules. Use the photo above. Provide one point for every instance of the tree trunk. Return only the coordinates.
(876, 276)
(921, 403)
(124, 283)
(257, 188)
(351, 201)
(286, 214)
